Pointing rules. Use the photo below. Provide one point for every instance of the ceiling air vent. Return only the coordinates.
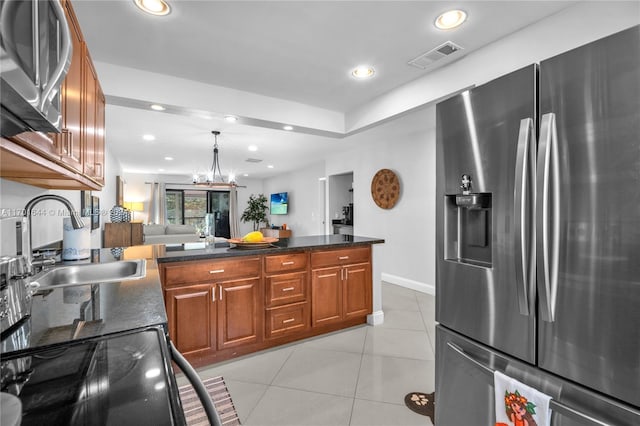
(425, 60)
(253, 160)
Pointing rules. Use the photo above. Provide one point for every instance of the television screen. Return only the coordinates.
(279, 203)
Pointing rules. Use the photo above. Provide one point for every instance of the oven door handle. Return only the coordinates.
(198, 386)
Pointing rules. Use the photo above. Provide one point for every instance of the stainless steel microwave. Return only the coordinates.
(35, 55)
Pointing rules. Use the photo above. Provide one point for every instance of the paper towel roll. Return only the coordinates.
(76, 243)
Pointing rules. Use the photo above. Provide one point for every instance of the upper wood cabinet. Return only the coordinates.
(70, 138)
(73, 158)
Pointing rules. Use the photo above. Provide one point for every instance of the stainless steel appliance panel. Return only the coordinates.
(590, 303)
(35, 55)
(477, 134)
(464, 380)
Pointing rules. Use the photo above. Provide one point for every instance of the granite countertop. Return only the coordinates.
(68, 314)
(200, 251)
(82, 312)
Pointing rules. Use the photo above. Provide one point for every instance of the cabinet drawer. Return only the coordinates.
(210, 271)
(287, 319)
(285, 262)
(286, 288)
(340, 257)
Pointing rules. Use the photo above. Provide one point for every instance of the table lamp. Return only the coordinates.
(134, 206)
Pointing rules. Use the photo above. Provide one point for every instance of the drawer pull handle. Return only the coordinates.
(291, 262)
(288, 320)
(288, 289)
(343, 257)
(216, 271)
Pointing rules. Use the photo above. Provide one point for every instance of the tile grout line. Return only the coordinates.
(270, 384)
(355, 389)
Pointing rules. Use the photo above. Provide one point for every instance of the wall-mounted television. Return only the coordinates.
(279, 203)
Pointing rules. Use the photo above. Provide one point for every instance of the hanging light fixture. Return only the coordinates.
(214, 176)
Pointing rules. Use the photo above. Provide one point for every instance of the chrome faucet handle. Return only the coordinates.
(41, 264)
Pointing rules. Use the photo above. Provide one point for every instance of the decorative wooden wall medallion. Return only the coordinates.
(385, 188)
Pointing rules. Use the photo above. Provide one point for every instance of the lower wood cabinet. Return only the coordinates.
(340, 293)
(221, 308)
(238, 313)
(210, 317)
(123, 234)
(192, 318)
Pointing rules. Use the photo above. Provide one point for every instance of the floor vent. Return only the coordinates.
(253, 160)
(427, 59)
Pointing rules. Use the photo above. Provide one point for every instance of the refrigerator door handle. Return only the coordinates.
(547, 204)
(556, 406)
(525, 236)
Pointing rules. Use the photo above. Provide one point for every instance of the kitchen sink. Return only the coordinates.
(91, 273)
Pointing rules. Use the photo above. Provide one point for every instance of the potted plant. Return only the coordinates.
(256, 211)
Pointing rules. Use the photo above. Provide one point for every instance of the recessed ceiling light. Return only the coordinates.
(246, 175)
(252, 148)
(161, 170)
(270, 166)
(287, 127)
(168, 158)
(451, 19)
(148, 137)
(157, 107)
(231, 118)
(363, 71)
(153, 7)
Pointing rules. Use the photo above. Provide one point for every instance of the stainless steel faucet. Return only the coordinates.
(76, 222)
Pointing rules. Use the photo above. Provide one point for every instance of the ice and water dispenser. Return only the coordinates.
(468, 225)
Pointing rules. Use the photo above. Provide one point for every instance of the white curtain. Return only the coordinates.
(157, 204)
(234, 217)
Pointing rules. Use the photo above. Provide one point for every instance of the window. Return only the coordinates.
(191, 207)
(174, 207)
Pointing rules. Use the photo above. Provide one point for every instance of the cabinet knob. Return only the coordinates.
(343, 257)
(288, 320)
(291, 262)
(216, 271)
(288, 289)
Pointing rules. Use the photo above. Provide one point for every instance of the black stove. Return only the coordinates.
(90, 355)
(116, 379)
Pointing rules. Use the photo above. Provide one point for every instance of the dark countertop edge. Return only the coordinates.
(293, 244)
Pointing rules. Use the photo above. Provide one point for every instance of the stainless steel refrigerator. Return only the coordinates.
(538, 227)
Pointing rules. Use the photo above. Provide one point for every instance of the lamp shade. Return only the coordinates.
(134, 206)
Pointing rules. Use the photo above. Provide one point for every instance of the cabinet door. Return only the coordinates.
(356, 290)
(238, 313)
(99, 135)
(70, 138)
(89, 121)
(326, 296)
(191, 315)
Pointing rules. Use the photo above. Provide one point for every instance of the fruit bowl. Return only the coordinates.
(239, 243)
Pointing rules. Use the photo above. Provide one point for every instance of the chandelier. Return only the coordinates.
(214, 175)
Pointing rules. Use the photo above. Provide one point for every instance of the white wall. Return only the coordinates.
(405, 145)
(47, 227)
(306, 210)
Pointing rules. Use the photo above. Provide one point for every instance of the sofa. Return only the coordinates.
(169, 234)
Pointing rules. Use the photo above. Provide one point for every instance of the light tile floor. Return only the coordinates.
(357, 376)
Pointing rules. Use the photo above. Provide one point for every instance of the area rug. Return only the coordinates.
(217, 389)
(422, 403)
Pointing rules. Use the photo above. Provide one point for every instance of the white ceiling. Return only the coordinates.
(299, 51)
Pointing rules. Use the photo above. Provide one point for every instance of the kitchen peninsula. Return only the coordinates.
(223, 302)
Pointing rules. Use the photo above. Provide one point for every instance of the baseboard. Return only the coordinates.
(405, 282)
(375, 318)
